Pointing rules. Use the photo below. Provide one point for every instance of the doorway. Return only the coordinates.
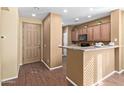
(31, 42)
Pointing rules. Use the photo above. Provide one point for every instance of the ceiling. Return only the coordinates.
(68, 17)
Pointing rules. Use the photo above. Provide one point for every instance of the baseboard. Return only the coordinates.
(20, 64)
(71, 81)
(12, 77)
(45, 64)
(53, 68)
(100, 81)
(121, 71)
(9, 78)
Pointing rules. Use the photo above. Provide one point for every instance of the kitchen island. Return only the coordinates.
(88, 65)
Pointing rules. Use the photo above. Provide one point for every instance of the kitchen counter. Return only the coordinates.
(89, 48)
(87, 65)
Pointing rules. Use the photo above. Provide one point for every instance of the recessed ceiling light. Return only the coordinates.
(36, 8)
(65, 11)
(76, 19)
(91, 9)
(89, 16)
(62, 23)
(33, 14)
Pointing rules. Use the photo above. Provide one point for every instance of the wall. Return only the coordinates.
(28, 20)
(0, 47)
(52, 35)
(9, 28)
(115, 26)
(56, 40)
(116, 31)
(122, 39)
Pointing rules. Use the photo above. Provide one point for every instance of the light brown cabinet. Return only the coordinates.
(74, 35)
(80, 32)
(105, 32)
(84, 31)
(96, 33)
(90, 34)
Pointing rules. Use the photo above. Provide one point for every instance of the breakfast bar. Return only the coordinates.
(88, 65)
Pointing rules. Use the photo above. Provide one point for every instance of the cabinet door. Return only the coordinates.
(96, 33)
(74, 35)
(105, 32)
(90, 34)
(84, 31)
(80, 31)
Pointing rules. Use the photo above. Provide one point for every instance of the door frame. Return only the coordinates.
(20, 44)
(23, 39)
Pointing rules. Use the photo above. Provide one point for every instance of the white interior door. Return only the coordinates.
(31, 43)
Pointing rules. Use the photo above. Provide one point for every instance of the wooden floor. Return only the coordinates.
(36, 74)
(117, 79)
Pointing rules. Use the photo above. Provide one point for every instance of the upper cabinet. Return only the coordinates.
(90, 34)
(84, 31)
(105, 32)
(96, 33)
(74, 34)
(80, 32)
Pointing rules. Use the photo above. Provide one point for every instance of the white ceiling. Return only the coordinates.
(68, 18)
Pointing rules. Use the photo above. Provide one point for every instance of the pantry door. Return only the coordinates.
(31, 42)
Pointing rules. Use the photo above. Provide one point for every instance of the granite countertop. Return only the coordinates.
(90, 48)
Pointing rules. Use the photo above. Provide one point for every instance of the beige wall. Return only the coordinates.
(122, 39)
(115, 26)
(52, 35)
(117, 32)
(0, 46)
(9, 28)
(28, 20)
(55, 40)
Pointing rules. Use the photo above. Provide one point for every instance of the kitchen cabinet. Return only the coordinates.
(90, 34)
(85, 68)
(96, 33)
(84, 31)
(105, 32)
(80, 31)
(74, 35)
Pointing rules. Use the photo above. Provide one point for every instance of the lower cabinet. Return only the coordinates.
(97, 65)
(85, 68)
